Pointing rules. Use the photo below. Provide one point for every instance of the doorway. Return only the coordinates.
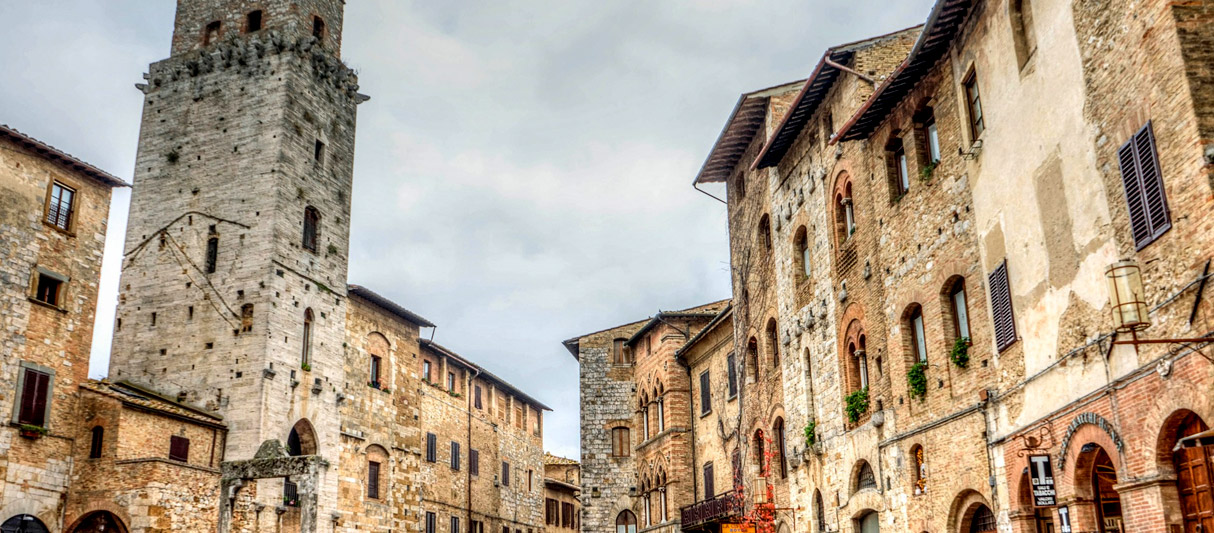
(1108, 502)
(1193, 473)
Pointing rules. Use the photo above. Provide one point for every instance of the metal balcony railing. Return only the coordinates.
(720, 507)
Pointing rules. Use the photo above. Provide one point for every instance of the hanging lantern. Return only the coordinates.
(1127, 297)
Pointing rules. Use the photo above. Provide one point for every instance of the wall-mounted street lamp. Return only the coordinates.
(1127, 298)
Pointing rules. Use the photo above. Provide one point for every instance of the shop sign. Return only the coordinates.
(1041, 477)
(1064, 519)
(737, 528)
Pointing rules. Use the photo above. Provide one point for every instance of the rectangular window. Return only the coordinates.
(454, 455)
(318, 153)
(705, 394)
(426, 371)
(431, 522)
(933, 141)
(373, 480)
(619, 442)
(211, 34)
(179, 449)
(375, 365)
(212, 260)
(451, 381)
(550, 512)
(59, 206)
(505, 473)
(476, 397)
(974, 106)
(454, 524)
(98, 435)
(49, 288)
(35, 397)
(1144, 191)
(474, 462)
(1001, 307)
(733, 375)
(709, 482)
(431, 447)
(253, 21)
(529, 476)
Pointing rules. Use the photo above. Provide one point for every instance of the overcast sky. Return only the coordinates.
(523, 168)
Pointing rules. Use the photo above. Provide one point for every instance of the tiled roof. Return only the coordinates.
(712, 308)
(744, 122)
(483, 372)
(147, 399)
(50, 152)
(550, 459)
(388, 305)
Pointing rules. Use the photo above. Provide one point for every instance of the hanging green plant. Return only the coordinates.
(961, 352)
(811, 434)
(857, 405)
(916, 380)
(925, 173)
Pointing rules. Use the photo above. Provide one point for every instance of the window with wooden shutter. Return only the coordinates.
(431, 447)
(476, 397)
(505, 473)
(705, 394)
(431, 526)
(1143, 182)
(709, 482)
(474, 462)
(35, 392)
(454, 455)
(731, 362)
(373, 480)
(1001, 307)
(95, 446)
(179, 449)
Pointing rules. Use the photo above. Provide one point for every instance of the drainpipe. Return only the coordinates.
(468, 468)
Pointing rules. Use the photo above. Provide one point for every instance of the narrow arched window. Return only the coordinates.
(661, 414)
(960, 309)
(920, 469)
(306, 356)
(849, 210)
(780, 448)
(773, 343)
(765, 232)
(98, 437)
(801, 243)
(252, 21)
(914, 322)
(311, 229)
(752, 355)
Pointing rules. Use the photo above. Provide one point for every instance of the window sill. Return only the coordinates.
(705, 413)
(731, 398)
(65, 232)
(47, 305)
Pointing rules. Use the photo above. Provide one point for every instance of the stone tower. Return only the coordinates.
(233, 292)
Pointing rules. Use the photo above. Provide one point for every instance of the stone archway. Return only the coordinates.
(1194, 468)
(1095, 478)
(99, 522)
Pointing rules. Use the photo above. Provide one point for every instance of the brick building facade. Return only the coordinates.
(921, 319)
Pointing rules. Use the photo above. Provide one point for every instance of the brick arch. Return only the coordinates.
(1183, 395)
(1020, 487)
(118, 512)
(1077, 477)
(962, 510)
(1168, 435)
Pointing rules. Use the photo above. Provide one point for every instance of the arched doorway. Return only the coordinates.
(982, 521)
(1194, 472)
(301, 441)
(1106, 498)
(868, 522)
(23, 523)
(99, 522)
(626, 522)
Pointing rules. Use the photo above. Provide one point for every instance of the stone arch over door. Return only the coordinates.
(1193, 468)
(967, 506)
(98, 522)
(302, 439)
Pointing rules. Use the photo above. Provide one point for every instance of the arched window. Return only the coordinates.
(819, 512)
(959, 309)
(647, 498)
(983, 520)
(781, 459)
(919, 469)
(897, 167)
(864, 478)
(311, 229)
(916, 333)
(645, 415)
(98, 438)
(377, 460)
(801, 244)
(849, 212)
(1021, 14)
(306, 355)
(760, 452)
(927, 138)
(773, 343)
(23, 523)
(662, 515)
(858, 360)
(752, 356)
(765, 231)
(661, 412)
(626, 522)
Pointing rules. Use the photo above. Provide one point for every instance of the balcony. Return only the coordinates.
(721, 507)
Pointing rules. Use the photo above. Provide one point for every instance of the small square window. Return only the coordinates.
(49, 289)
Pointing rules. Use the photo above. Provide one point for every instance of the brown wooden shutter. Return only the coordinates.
(372, 479)
(1143, 183)
(705, 394)
(33, 398)
(454, 455)
(474, 462)
(431, 447)
(709, 481)
(179, 449)
(1001, 307)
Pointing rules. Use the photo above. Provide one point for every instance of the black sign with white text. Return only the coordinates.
(1041, 477)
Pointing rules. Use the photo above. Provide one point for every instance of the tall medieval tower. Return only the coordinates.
(233, 292)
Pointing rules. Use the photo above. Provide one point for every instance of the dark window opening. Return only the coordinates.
(318, 28)
(474, 462)
(896, 167)
(431, 526)
(731, 362)
(211, 34)
(505, 473)
(974, 106)
(179, 449)
(253, 21)
(95, 445)
(59, 206)
(709, 481)
(375, 365)
(48, 289)
(212, 254)
(373, 480)
(476, 397)
(311, 228)
(246, 318)
(306, 355)
(431, 448)
(705, 394)
(318, 153)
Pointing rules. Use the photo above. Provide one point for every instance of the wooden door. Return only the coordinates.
(1194, 467)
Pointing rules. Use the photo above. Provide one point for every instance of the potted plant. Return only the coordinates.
(306, 367)
(916, 380)
(961, 352)
(857, 405)
(31, 431)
